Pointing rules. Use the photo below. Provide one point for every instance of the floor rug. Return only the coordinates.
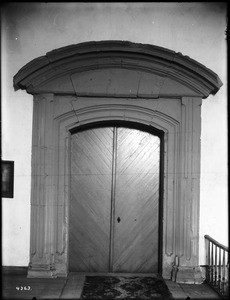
(121, 287)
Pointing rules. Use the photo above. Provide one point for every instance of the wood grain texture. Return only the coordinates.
(91, 163)
(136, 202)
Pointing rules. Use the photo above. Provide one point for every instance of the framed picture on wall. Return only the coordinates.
(7, 178)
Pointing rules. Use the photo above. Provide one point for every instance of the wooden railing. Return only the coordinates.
(217, 266)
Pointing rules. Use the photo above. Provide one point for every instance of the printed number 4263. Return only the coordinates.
(23, 288)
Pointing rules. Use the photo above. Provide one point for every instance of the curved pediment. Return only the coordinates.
(117, 68)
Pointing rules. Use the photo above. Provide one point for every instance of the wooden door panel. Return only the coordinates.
(90, 205)
(136, 202)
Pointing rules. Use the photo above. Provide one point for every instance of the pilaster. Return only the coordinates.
(187, 232)
(43, 190)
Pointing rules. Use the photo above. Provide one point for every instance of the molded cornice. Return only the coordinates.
(88, 56)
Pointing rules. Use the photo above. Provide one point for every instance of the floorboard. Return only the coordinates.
(21, 287)
(71, 287)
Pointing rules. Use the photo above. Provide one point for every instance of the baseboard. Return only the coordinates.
(14, 270)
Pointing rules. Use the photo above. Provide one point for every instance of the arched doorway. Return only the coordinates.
(109, 81)
(115, 211)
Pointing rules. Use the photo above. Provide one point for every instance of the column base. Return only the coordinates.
(41, 271)
(45, 271)
(189, 275)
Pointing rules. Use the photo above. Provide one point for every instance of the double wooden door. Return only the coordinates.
(114, 206)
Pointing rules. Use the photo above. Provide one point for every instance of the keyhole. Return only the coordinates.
(118, 219)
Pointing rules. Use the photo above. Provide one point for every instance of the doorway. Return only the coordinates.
(115, 200)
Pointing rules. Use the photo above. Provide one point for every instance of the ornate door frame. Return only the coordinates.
(115, 81)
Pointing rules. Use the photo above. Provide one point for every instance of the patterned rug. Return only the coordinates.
(121, 287)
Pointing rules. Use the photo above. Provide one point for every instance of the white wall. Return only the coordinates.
(30, 30)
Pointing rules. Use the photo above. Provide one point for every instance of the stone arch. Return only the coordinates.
(94, 115)
(115, 81)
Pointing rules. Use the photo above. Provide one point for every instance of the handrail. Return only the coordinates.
(217, 266)
(216, 243)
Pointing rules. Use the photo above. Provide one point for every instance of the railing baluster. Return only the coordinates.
(208, 259)
(223, 277)
(227, 275)
(219, 276)
(212, 263)
(227, 265)
(217, 266)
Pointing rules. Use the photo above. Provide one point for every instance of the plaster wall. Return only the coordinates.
(31, 30)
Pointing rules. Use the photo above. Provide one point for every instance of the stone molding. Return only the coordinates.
(169, 68)
(55, 117)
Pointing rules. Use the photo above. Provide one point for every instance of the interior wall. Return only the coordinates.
(30, 30)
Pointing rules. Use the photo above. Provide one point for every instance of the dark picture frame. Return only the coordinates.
(7, 167)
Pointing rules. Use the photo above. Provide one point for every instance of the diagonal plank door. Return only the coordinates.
(114, 203)
(136, 202)
(90, 205)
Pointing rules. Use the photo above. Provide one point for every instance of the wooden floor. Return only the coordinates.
(17, 286)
